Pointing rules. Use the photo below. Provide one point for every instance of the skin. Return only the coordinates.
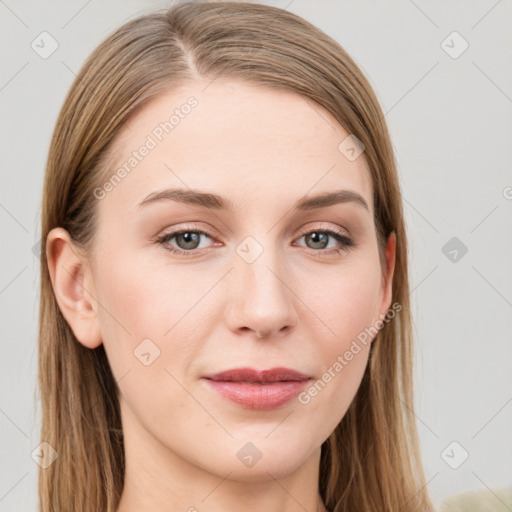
(261, 149)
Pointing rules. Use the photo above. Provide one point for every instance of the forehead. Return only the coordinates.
(244, 141)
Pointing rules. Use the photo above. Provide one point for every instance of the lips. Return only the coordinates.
(253, 389)
(258, 376)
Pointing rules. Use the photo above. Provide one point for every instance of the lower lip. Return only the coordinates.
(258, 396)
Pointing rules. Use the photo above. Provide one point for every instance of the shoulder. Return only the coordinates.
(492, 500)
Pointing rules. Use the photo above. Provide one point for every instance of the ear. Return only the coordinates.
(73, 287)
(388, 272)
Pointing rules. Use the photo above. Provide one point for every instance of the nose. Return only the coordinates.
(262, 300)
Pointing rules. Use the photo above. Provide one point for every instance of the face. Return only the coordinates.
(184, 286)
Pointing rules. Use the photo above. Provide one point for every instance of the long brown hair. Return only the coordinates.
(371, 461)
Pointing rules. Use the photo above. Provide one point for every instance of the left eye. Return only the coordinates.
(188, 238)
(320, 239)
(188, 241)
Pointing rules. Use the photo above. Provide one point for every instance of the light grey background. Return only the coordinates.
(450, 121)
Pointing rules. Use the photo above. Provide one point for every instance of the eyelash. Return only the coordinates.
(347, 243)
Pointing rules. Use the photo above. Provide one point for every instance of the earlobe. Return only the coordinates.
(73, 287)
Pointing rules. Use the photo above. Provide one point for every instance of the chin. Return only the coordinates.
(260, 464)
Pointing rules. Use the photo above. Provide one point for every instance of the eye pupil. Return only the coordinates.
(321, 238)
(189, 238)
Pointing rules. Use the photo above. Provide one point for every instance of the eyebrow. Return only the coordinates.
(216, 202)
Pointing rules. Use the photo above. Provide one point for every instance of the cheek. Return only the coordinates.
(348, 302)
(348, 310)
(131, 310)
(149, 310)
(145, 331)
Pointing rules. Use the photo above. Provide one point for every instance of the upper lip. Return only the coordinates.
(258, 376)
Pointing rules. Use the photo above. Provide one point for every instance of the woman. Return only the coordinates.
(224, 317)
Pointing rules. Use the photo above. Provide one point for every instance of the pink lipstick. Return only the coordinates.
(253, 389)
